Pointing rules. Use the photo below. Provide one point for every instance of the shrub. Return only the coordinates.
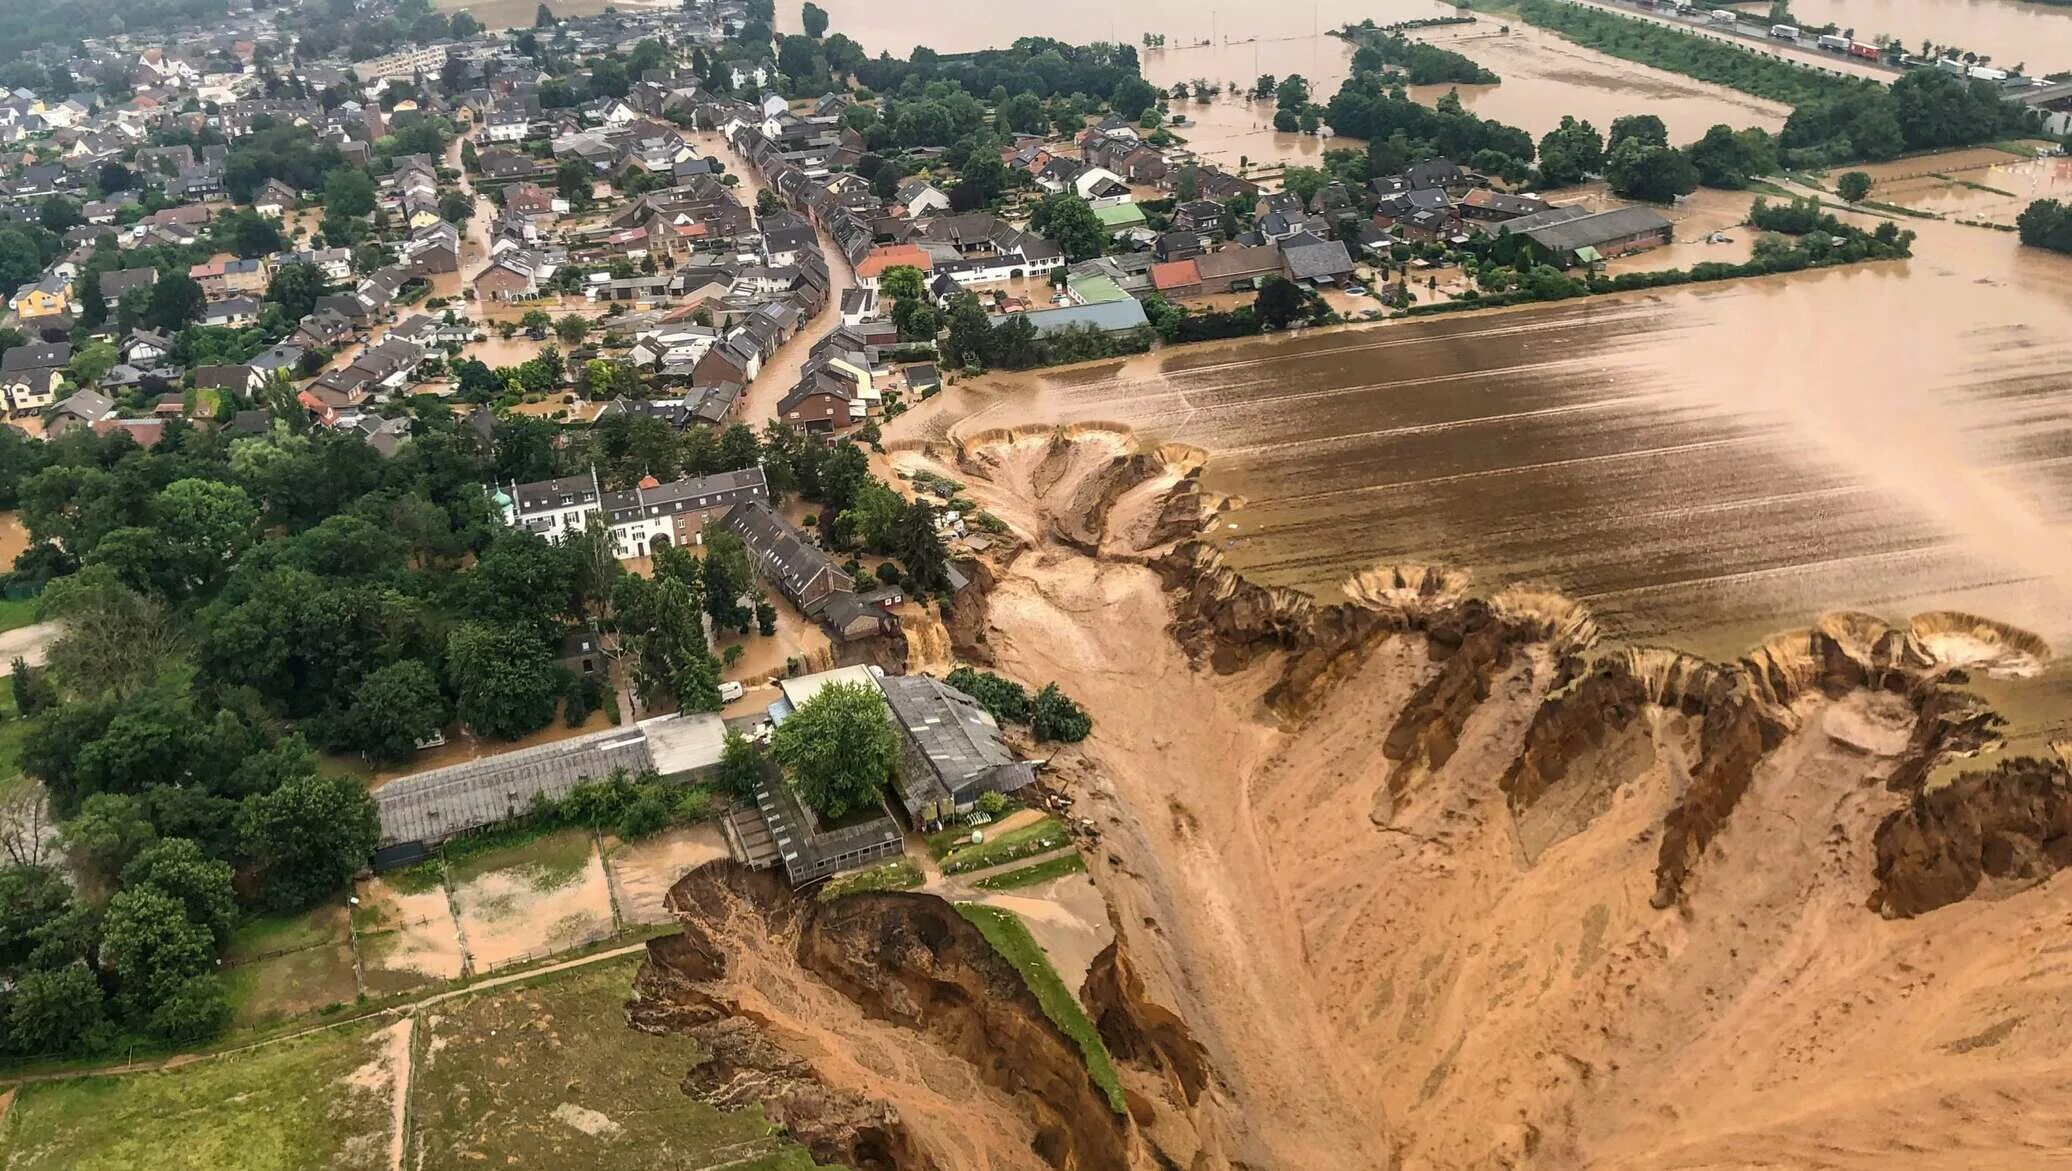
(1056, 717)
(1006, 699)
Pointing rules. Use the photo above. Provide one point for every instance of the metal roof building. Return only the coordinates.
(431, 806)
(1107, 316)
(951, 747)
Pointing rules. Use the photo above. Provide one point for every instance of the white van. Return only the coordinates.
(729, 691)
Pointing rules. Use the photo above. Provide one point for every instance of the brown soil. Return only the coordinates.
(881, 1030)
(1436, 883)
(643, 872)
(508, 916)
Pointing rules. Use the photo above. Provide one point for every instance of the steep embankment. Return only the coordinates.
(885, 1033)
(1435, 883)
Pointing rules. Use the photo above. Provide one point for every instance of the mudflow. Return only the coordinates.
(1432, 878)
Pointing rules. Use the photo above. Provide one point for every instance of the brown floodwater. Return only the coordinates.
(1545, 77)
(1701, 466)
(2009, 31)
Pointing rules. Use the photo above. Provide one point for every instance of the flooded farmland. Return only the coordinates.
(1702, 466)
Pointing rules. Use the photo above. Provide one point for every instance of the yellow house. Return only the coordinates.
(46, 298)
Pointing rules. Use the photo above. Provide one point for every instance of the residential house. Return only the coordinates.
(49, 297)
(800, 570)
(919, 197)
(30, 374)
(231, 313)
(1237, 267)
(1308, 259)
(119, 281)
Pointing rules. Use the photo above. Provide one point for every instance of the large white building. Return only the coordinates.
(643, 518)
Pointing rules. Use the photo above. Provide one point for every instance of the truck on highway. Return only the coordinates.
(1833, 44)
(1867, 52)
(1784, 32)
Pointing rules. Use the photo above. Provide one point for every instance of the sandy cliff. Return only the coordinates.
(1436, 881)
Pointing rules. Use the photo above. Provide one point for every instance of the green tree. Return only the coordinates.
(1280, 303)
(151, 949)
(1006, 699)
(839, 748)
(504, 679)
(1066, 221)
(30, 898)
(1292, 93)
(107, 833)
(174, 302)
(1654, 173)
(2046, 223)
(348, 191)
(296, 288)
(199, 883)
(394, 708)
(740, 765)
(1853, 186)
(814, 18)
(1648, 128)
(1569, 152)
(55, 1011)
(1055, 717)
(197, 1008)
(902, 282)
(572, 328)
(308, 837)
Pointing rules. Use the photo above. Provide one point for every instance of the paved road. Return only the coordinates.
(1804, 53)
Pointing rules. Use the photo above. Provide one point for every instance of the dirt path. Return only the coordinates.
(401, 1055)
(31, 644)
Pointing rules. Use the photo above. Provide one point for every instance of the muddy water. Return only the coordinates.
(2010, 32)
(1701, 466)
(1545, 77)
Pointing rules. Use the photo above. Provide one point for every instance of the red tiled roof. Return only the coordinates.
(877, 260)
(1175, 274)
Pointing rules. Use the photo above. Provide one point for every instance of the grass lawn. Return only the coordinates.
(555, 858)
(896, 875)
(282, 966)
(1037, 837)
(1044, 871)
(284, 1107)
(1005, 931)
(15, 615)
(550, 1075)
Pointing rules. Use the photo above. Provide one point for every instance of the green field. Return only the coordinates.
(289, 1106)
(553, 858)
(958, 855)
(550, 1075)
(1044, 871)
(16, 614)
(282, 966)
(1006, 932)
(896, 875)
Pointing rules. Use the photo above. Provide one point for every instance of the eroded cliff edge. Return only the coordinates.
(883, 1031)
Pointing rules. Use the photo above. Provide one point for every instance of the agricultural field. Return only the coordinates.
(319, 1102)
(549, 1074)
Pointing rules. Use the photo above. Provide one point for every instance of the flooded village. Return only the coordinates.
(719, 599)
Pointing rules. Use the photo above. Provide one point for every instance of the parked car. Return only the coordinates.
(730, 690)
